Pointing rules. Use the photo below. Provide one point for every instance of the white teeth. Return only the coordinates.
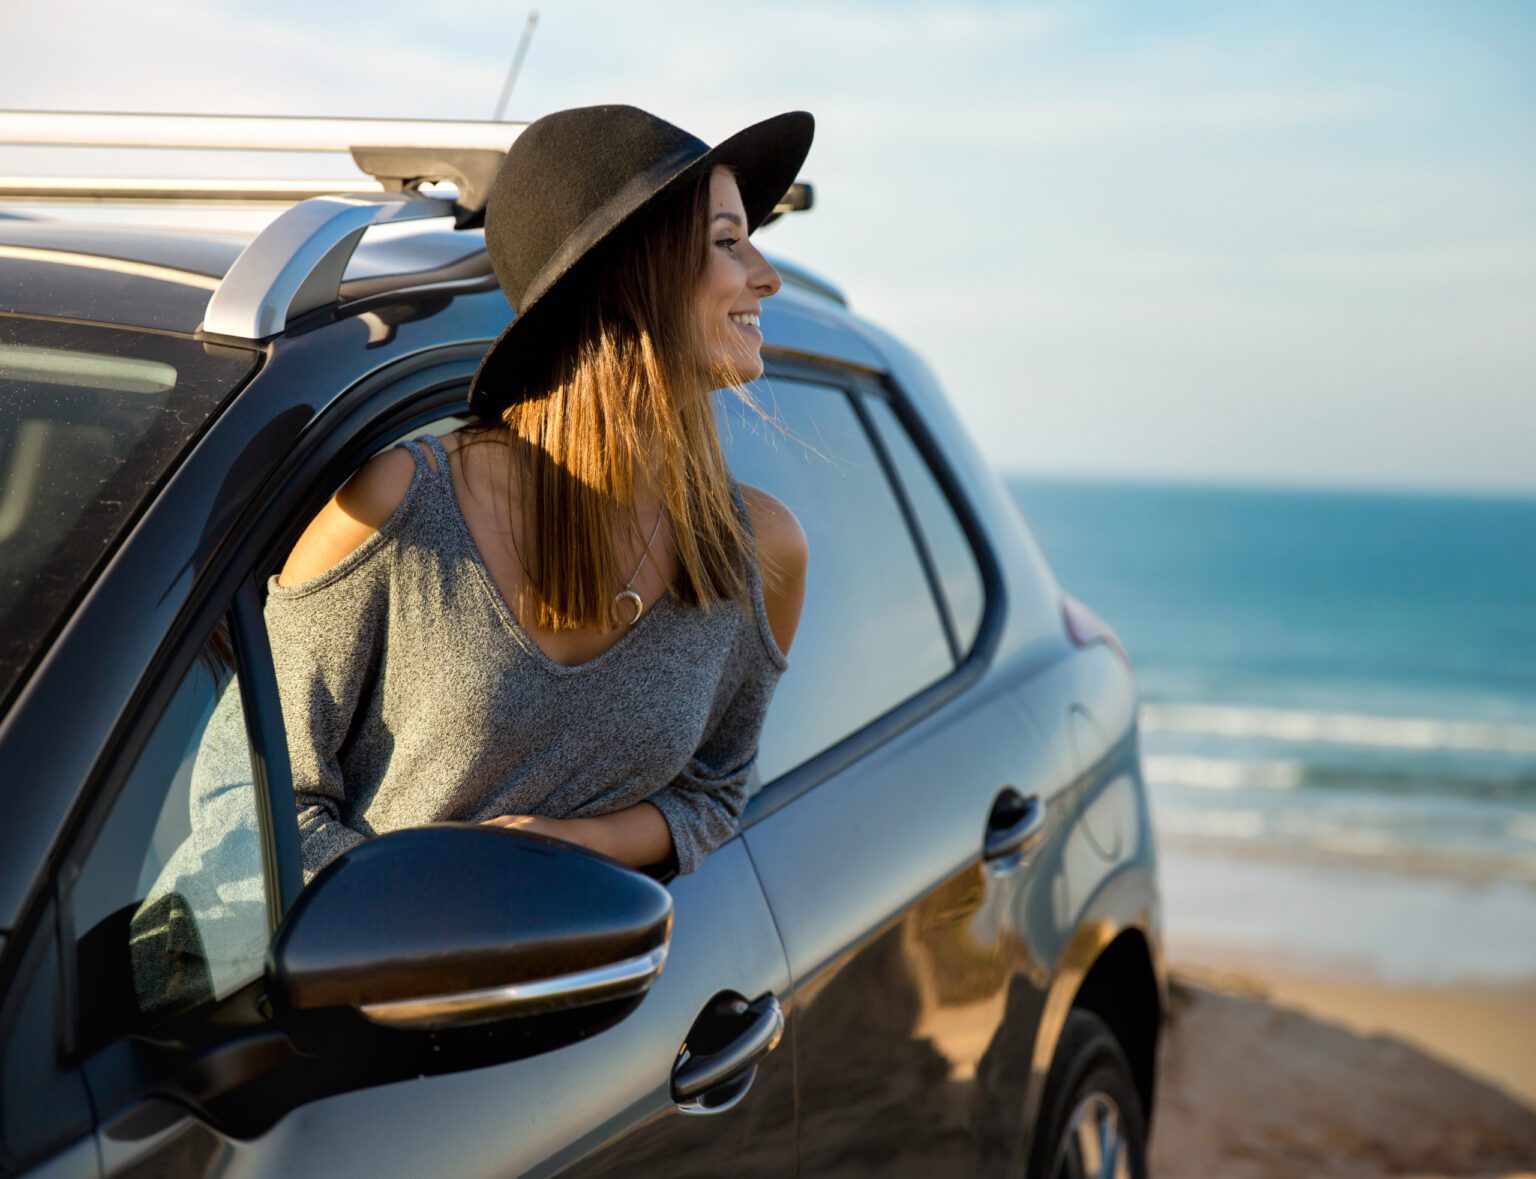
(752, 320)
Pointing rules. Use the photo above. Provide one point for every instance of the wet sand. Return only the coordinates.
(1269, 1072)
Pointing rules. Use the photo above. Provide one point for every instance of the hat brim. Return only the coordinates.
(766, 158)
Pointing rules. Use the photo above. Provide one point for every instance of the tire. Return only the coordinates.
(1090, 1104)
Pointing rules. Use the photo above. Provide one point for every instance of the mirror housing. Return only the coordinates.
(456, 925)
(425, 951)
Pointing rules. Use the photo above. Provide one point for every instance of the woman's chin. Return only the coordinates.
(749, 368)
(738, 371)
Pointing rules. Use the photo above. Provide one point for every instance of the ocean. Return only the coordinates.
(1334, 678)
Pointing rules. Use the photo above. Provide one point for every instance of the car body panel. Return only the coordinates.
(903, 943)
(1085, 703)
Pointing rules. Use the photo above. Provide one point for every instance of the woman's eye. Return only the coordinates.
(727, 242)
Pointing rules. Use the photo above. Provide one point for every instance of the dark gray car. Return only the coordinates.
(933, 949)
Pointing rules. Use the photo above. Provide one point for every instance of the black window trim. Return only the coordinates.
(955, 498)
(914, 525)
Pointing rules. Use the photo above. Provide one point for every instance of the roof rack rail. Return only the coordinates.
(296, 263)
(171, 190)
(401, 154)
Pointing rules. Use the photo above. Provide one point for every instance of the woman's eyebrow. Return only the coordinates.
(731, 217)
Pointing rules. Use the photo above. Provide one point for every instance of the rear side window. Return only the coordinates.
(90, 419)
(953, 557)
(870, 635)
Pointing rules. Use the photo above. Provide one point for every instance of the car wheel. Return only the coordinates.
(1091, 1124)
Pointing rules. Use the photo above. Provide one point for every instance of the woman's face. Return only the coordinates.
(735, 282)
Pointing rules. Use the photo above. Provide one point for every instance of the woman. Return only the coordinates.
(570, 618)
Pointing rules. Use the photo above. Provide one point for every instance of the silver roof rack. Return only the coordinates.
(400, 154)
(172, 190)
(296, 263)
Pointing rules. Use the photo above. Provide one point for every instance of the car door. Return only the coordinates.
(904, 797)
(171, 904)
(607, 1105)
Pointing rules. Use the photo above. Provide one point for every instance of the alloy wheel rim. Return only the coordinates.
(1094, 1145)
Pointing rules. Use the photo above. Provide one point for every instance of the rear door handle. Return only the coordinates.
(1015, 825)
(713, 1081)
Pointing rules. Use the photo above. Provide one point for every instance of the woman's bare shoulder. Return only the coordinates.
(785, 556)
(363, 505)
(778, 530)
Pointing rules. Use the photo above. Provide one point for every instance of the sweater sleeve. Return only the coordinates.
(704, 801)
(327, 638)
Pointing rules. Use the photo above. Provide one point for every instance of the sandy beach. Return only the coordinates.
(1270, 1072)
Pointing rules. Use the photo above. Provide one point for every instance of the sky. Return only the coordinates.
(1260, 243)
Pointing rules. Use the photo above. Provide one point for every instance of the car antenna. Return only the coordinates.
(517, 64)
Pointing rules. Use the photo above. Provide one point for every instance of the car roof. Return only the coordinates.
(161, 278)
(131, 276)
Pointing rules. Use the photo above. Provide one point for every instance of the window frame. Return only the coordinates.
(263, 533)
(914, 525)
(879, 731)
(158, 689)
(933, 458)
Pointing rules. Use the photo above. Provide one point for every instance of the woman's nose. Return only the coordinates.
(765, 279)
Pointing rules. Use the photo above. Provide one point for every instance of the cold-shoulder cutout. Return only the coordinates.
(365, 503)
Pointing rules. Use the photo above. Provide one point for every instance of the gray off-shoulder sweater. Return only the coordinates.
(411, 694)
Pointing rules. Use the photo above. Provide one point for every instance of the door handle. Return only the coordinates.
(714, 1081)
(1015, 825)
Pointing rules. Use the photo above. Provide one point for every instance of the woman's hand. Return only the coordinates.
(637, 835)
(570, 830)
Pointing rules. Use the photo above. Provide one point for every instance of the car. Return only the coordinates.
(933, 948)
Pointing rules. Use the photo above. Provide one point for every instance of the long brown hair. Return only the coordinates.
(622, 373)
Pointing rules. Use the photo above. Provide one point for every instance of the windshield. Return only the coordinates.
(91, 417)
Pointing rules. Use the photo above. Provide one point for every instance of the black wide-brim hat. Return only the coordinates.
(571, 178)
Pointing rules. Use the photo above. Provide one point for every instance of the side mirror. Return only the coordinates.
(455, 926)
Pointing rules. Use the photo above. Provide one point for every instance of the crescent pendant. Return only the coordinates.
(629, 595)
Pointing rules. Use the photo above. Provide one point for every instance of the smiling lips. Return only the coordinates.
(746, 319)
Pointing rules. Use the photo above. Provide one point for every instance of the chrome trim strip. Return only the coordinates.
(633, 976)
